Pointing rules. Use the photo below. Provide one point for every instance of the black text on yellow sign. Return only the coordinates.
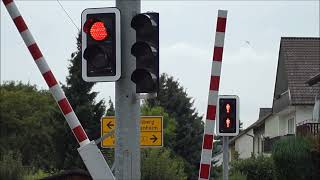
(151, 131)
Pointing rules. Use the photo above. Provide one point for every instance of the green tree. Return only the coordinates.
(293, 159)
(160, 164)
(110, 111)
(89, 112)
(169, 124)
(27, 124)
(175, 101)
(11, 166)
(315, 156)
(253, 168)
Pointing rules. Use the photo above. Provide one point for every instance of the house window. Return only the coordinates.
(291, 126)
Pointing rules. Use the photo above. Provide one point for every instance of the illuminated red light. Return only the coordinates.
(228, 108)
(228, 122)
(98, 31)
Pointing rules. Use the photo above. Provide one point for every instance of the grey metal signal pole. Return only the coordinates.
(225, 157)
(127, 151)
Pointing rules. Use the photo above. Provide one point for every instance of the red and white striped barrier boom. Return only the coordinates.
(208, 136)
(47, 74)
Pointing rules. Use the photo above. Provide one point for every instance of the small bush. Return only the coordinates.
(159, 164)
(292, 159)
(237, 176)
(254, 168)
(36, 175)
(216, 171)
(11, 166)
(315, 153)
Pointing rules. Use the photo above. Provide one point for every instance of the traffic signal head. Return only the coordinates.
(146, 51)
(228, 115)
(101, 55)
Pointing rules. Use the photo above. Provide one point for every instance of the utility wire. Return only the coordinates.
(68, 15)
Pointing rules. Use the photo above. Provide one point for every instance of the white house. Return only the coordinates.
(293, 103)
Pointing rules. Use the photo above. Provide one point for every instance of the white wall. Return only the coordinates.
(297, 113)
(244, 145)
(271, 126)
(283, 122)
(277, 124)
(256, 139)
(303, 113)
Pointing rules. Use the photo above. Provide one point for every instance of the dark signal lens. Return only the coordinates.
(87, 25)
(98, 31)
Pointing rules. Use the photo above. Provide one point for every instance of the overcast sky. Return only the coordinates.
(187, 30)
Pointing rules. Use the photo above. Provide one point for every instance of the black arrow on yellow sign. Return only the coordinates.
(110, 125)
(154, 138)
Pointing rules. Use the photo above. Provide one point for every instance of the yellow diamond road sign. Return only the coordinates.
(151, 131)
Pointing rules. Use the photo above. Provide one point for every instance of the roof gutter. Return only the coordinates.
(315, 79)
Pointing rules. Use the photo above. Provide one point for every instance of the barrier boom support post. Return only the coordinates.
(208, 135)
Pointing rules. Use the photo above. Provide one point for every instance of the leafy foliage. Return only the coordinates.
(36, 175)
(110, 110)
(27, 124)
(159, 164)
(11, 166)
(174, 100)
(254, 168)
(237, 176)
(315, 153)
(162, 163)
(155, 162)
(169, 124)
(292, 158)
(216, 171)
